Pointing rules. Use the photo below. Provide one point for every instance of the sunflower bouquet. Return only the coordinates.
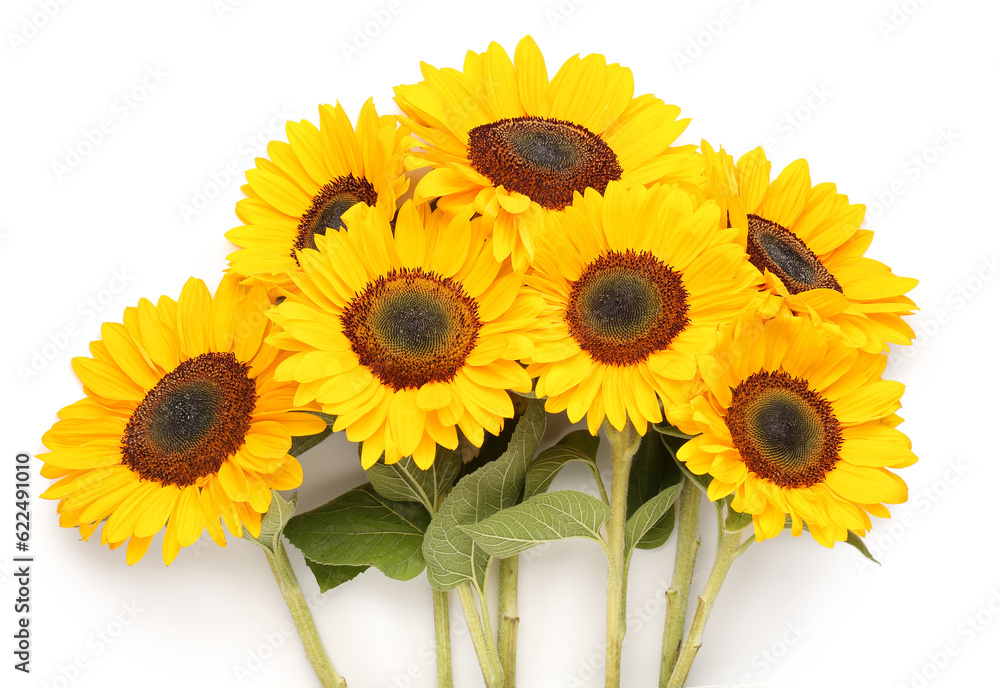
(433, 284)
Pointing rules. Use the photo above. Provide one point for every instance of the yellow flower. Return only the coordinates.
(409, 336)
(794, 423)
(183, 424)
(808, 243)
(636, 283)
(309, 183)
(506, 142)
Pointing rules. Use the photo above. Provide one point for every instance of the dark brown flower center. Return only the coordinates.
(773, 247)
(544, 159)
(195, 417)
(784, 432)
(332, 201)
(412, 327)
(625, 307)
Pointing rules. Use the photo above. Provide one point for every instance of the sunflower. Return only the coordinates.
(637, 294)
(505, 142)
(307, 185)
(407, 337)
(183, 424)
(808, 243)
(796, 424)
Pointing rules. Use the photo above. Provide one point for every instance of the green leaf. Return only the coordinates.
(492, 448)
(669, 430)
(329, 577)
(853, 540)
(452, 556)
(653, 471)
(858, 543)
(363, 528)
(578, 445)
(330, 420)
(274, 522)
(702, 481)
(653, 521)
(300, 445)
(543, 518)
(404, 481)
(736, 521)
(673, 443)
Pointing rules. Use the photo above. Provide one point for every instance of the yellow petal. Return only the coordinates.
(129, 356)
(268, 439)
(137, 548)
(786, 196)
(193, 321)
(156, 510)
(234, 481)
(158, 342)
(250, 323)
(875, 400)
(532, 78)
(865, 485)
(189, 516)
(406, 421)
(106, 380)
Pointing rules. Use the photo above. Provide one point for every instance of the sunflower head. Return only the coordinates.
(304, 187)
(807, 242)
(516, 146)
(407, 336)
(797, 427)
(631, 301)
(183, 424)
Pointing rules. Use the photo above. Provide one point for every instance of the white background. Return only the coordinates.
(894, 101)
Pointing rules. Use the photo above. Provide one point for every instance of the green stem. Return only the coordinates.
(491, 641)
(509, 620)
(442, 637)
(688, 506)
(600, 483)
(624, 445)
(281, 567)
(485, 650)
(730, 548)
